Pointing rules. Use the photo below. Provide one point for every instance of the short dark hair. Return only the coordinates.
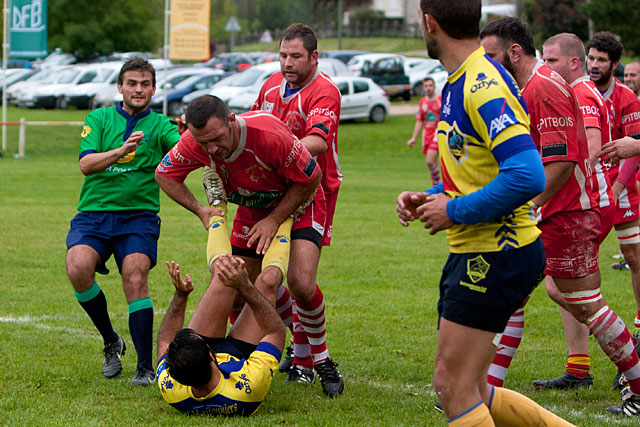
(304, 32)
(460, 19)
(201, 109)
(606, 41)
(188, 359)
(427, 79)
(511, 30)
(136, 63)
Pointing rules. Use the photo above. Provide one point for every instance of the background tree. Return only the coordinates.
(101, 27)
(550, 17)
(620, 17)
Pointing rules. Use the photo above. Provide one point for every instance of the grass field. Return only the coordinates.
(380, 282)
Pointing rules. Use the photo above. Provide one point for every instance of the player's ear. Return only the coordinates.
(430, 22)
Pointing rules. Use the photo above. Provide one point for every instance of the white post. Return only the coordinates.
(21, 137)
(167, 15)
(5, 53)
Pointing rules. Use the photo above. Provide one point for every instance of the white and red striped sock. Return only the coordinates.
(509, 342)
(284, 305)
(311, 315)
(301, 347)
(615, 340)
(435, 175)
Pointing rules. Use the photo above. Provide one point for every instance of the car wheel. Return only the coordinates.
(60, 103)
(377, 114)
(173, 109)
(92, 104)
(406, 96)
(418, 90)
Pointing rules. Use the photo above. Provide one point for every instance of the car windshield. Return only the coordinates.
(187, 83)
(67, 76)
(102, 75)
(247, 77)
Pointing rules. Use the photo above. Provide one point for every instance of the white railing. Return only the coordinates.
(22, 132)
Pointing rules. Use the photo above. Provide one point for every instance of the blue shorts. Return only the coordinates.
(482, 290)
(119, 233)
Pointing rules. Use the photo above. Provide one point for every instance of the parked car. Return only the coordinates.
(52, 96)
(432, 68)
(229, 62)
(262, 57)
(83, 96)
(15, 75)
(342, 55)
(188, 85)
(33, 80)
(387, 70)
(25, 94)
(250, 80)
(362, 98)
(241, 101)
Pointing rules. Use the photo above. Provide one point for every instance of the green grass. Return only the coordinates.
(380, 283)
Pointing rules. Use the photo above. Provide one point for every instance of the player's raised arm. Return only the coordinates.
(174, 318)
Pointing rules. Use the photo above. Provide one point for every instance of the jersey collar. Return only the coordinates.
(243, 140)
(132, 121)
(283, 87)
(462, 68)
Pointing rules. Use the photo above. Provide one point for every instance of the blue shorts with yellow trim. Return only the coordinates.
(482, 290)
(117, 233)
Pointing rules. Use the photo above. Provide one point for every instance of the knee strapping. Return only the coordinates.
(582, 297)
(629, 236)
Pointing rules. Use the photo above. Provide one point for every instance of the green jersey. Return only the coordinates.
(129, 183)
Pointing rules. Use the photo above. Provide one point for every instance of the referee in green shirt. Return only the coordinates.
(119, 151)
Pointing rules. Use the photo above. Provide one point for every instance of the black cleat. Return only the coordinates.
(300, 375)
(630, 404)
(287, 360)
(566, 381)
(619, 381)
(438, 407)
(112, 353)
(330, 378)
(143, 377)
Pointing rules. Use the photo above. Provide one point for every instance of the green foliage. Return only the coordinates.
(104, 26)
(550, 17)
(619, 17)
(380, 282)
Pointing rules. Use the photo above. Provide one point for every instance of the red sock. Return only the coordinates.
(284, 305)
(311, 315)
(301, 347)
(615, 340)
(509, 343)
(233, 316)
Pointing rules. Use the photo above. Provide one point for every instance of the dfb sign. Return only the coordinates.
(28, 31)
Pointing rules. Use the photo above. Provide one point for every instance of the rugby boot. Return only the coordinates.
(566, 381)
(213, 186)
(287, 361)
(112, 353)
(298, 374)
(143, 377)
(619, 381)
(630, 404)
(330, 378)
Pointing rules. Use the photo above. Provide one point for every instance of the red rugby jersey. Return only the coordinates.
(557, 128)
(429, 114)
(258, 173)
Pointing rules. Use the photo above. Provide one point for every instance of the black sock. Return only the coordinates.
(94, 303)
(141, 329)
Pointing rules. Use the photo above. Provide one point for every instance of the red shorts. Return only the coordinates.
(245, 218)
(571, 242)
(627, 209)
(607, 217)
(330, 209)
(428, 143)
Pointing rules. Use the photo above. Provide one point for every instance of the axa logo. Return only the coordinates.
(628, 213)
(499, 124)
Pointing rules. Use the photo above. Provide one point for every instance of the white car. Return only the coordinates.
(83, 96)
(241, 101)
(362, 98)
(431, 68)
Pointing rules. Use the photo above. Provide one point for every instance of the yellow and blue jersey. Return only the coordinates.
(483, 120)
(242, 387)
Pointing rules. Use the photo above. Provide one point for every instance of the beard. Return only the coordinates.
(604, 77)
(508, 65)
(433, 48)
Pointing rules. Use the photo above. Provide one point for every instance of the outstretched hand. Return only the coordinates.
(182, 286)
(232, 272)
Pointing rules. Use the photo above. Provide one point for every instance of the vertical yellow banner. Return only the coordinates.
(189, 33)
